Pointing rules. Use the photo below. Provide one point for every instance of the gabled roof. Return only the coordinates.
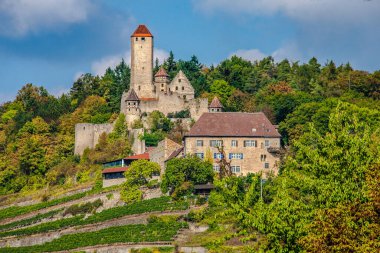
(215, 103)
(144, 156)
(142, 31)
(114, 170)
(175, 153)
(132, 96)
(161, 72)
(233, 124)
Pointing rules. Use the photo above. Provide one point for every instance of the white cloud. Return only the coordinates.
(337, 11)
(20, 17)
(100, 66)
(288, 51)
(250, 54)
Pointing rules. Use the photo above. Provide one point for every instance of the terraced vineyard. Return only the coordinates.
(154, 231)
(158, 204)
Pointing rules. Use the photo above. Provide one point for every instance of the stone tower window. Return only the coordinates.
(179, 80)
(143, 38)
(183, 88)
(139, 87)
(137, 39)
(184, 96)
(162, 85)
(176, 88)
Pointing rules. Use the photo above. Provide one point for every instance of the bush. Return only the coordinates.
(88, 207)
(185, 189)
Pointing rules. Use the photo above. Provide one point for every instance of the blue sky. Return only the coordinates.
(51, 42)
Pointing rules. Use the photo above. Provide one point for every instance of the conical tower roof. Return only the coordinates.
(132, 96)
(215, 103)
(142, 31)
(161, 72)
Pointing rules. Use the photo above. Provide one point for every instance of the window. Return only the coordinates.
(250, 143)
(216, 168)
(176, 88)
(263, 158)
(267, 143)
(200, 155)
(137, 39)
(216, 143)
(236, 155)
(235, 169)
(139, 87)
(218, 156)
(162, 85)
(179, 80)
(183, 88)
(199, 143)
(234, 143)
(143, 38)
(266, 165)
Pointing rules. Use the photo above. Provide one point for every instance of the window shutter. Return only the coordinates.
(229, 155)
(244, 144)
(241, 155)
(255, 144)
(214, 155)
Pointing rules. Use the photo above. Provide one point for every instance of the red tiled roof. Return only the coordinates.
(233, 124)
(144, 156)
(142, 31)
(175, 153)
(215, 103)
(161, 72)
(114, 170)
(132, 96)
(148, 99)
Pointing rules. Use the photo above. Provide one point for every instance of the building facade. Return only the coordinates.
(250, 142)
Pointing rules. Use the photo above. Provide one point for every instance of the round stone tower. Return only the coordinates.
(142, 62)
(215, 105)
(132, 107)
(161, 80)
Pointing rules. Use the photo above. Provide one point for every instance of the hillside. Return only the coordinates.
(328, 184)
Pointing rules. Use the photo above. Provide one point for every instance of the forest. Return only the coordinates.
(326, 196)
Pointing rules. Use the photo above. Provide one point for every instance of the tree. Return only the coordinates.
(189, 169)
(138, 174)
(120, 129)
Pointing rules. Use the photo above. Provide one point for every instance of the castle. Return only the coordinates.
(147, 93)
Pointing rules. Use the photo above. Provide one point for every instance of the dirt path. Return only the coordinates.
(48, 209)
(19, 241)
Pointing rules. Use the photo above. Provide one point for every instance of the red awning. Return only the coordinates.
(144, 156)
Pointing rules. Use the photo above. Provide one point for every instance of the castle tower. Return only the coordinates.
(132, 106)
(142, 62)
(161, 80)
(215, 105)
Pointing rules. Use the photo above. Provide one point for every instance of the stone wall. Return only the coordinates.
(181, 86)
(251, 162)
(112, 182)
(163, 150)
(87, 135)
